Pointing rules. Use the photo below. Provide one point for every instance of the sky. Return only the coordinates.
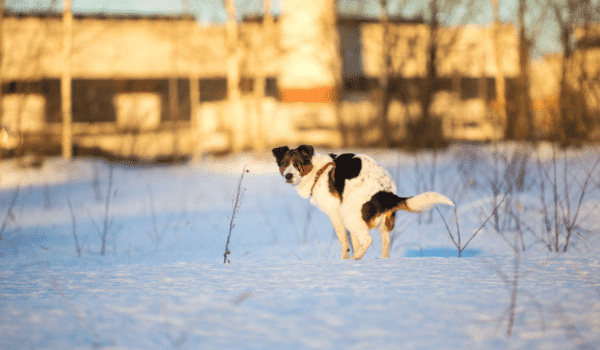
(211, 11)
(206, 11)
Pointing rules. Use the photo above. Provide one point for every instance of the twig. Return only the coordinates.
(513, 299)
(457, 244)
(77, 247)
(9, 213)
(555, 196)
(153, 215)
(571, 222)
(157, 235)
(486, 220)
(565, 215)
(46, 197)
(106, 223)
(461, 197)
(239, 196)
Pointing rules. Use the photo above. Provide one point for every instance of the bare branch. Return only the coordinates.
(77, 247)
(106, 223)
(239, 196)
(485, 222)
(9, 213)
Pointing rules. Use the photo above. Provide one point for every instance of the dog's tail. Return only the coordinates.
(387, 203)
(422, 202)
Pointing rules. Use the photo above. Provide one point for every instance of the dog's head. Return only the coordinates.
(294, 163)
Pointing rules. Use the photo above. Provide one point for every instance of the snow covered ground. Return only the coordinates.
(162, 284)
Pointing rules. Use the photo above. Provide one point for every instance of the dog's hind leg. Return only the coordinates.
(385, 242)
(385, 227)
(341, 234)
(355, 242)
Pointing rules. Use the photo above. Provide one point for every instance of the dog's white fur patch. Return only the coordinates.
(291, 170)
(426, 201)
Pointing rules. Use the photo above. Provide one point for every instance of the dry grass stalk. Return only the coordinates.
(237, 202)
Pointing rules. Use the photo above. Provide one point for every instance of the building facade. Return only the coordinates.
(155, 86)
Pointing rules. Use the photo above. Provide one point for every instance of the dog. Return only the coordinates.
(355, 192)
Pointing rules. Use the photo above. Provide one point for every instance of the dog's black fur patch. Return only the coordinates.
(279, 153)
(306, 151)
(380, 203)
(347, 166)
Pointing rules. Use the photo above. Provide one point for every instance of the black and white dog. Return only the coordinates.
(353, 190)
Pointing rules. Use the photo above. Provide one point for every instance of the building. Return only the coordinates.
(137, 82)
(151, 87)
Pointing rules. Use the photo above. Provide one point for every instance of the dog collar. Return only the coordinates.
(319, 173)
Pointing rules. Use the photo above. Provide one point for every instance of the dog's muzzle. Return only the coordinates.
(289, 178)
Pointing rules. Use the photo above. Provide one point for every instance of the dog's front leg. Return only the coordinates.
(342, 236)
(365, 241)
(355, 243)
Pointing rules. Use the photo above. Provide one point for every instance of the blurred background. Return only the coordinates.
(166, 80)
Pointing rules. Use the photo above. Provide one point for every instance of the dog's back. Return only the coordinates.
(357, 177)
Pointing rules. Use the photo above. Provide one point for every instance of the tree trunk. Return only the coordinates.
(522, 126)
(571, 123)
(194, 79)
(260, 78)
(570, 126)
(384, 79)
(233, 79)
(500, 83)
(173, 94)
(65, 84)
(426, 132)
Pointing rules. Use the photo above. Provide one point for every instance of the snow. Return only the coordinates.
(162, 283)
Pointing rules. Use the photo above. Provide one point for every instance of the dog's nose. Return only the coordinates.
(289, 176)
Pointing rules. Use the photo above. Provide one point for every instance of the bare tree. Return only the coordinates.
(531, 17)
(521, 126)
(427, 131)
(257, 39)
(570, 14)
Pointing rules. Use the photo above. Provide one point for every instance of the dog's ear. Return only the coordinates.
(279, 152)
(306, 151)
